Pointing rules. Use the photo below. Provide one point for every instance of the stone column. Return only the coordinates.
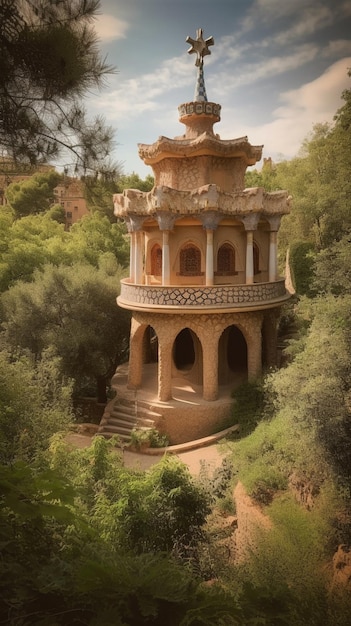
(135, 371)
(165, 222)
(209, 257)
(164, 370)
(210, 220)
(166, 270)
(132, 257)
(250, 223)
(210, 367)
(139, 252)
(137, 248)
(249, 258)
(274, 223)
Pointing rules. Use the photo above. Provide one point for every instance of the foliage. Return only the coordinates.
(149, 437)
(290, 556)
(248, 406)
(315, 388)
(73, 310)
(99, 195)
(332, 268)
(29, 243)
(301, 265)
(32, 195)
(133, 181)
(49, 62)
(35, 403)
(93, 236)
(56, 568)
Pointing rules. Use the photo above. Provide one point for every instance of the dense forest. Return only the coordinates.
(86, 541)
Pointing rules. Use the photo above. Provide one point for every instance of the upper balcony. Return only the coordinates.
(203, 299)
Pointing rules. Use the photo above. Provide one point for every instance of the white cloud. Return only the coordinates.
(109, 27)
(312, 103)
(143, 93)
(249, 73)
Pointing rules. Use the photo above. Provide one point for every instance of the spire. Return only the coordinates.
(199, 46)
(200, 89)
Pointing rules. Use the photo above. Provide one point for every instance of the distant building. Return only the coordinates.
(71, 197)
(70, 194)
(11, 172)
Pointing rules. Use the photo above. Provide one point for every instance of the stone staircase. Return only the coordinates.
(122, 415)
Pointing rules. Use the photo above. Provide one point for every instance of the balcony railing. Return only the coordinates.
(219, 296)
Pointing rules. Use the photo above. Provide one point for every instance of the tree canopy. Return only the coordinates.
(49, 61)
(33, 195)
(73, 311)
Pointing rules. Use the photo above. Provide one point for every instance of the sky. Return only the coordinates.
(277, 68)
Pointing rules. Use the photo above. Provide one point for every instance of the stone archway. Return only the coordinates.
(233, 356)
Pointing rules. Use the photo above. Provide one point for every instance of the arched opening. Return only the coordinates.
(187, 356)
(156, 260)
(226, 260)
(190, 260)
(232, 356)
(184, 350)
(150, 346)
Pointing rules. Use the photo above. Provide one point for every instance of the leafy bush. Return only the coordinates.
(148, 437)
(302, 256)
(248, 407)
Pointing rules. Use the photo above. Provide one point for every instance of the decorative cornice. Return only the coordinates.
(204, 144)
(206, 198)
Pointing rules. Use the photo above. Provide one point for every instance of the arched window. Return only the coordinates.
(190, 261)
(256, 256)
(226, 260)
(156, 260)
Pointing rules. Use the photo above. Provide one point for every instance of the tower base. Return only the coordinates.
(186, 417)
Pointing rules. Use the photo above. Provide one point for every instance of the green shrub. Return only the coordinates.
(248, 407)
(148, 437)
(302, 255)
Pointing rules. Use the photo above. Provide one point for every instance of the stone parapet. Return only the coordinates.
(231, 296)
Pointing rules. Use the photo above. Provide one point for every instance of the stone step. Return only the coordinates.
(117, 413)
(119, 430)
(120, 419)
(126, 415)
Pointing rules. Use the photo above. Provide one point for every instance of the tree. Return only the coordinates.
(29, 243)
(93, 236)
(35, 403)
(73, 310)
(332, 268)
(48, 62)
(99, 196)
(133, 181)
(33, 195)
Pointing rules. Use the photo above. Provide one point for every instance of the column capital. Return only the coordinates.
(274, 222)
(250, 221)
(210, 219)
(165, 220)
(134, 222)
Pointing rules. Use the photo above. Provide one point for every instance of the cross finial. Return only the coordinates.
(199, 46)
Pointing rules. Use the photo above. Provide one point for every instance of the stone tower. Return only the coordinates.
(203, 286)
